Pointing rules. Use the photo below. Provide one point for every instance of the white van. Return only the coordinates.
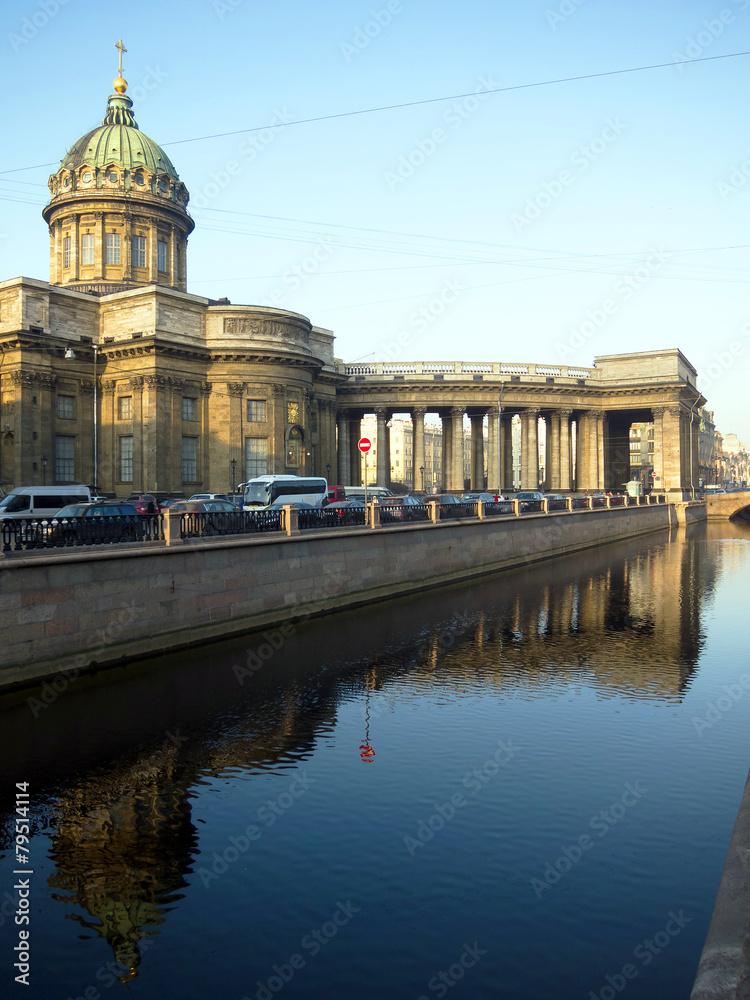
(39, 502)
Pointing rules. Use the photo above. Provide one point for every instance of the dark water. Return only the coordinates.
(519, 788)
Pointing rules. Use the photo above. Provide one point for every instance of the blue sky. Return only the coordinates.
(544, 224)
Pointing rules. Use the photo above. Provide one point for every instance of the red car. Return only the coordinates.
(144, 503)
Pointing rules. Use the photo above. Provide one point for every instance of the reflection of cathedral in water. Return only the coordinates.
(123, 836)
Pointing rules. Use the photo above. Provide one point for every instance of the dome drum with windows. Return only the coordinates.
(118, 210)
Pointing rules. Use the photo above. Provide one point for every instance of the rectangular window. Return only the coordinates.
(256, 457)
(188, 408)
(126, 458)
(139, 251)
(161, 255)
(65, 407)
(87, 248)
(256, 410)
(189, 460)
(67, 252)
(65, 458)
(113, 248)
(125, 408)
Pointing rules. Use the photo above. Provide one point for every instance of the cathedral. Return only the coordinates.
(113, 374)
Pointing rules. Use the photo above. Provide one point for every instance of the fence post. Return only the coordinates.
(516, 507)
(170, 522)
(290, 519)
(434, 511)
(373, 515)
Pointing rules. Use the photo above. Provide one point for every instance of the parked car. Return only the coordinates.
(41, 502)
(528, 495)
(476, 496)
(210, 496)
(344, 505)
(112, 520)
(336, 493)
(407, 508)
(218, 515)
(145, 503)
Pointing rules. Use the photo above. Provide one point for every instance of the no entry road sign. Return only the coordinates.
(365, 444)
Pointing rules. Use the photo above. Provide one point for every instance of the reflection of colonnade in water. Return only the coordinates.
(634, 630)
(124, 838)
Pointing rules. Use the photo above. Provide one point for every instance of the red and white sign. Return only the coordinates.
(364, 444)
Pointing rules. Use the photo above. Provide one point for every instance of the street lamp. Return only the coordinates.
(328, 472)
(44, 470)
(233, 463)
(421, 469)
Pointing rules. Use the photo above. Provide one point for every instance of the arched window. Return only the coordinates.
(294, 448)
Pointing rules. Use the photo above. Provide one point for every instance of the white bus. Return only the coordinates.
(267, 490)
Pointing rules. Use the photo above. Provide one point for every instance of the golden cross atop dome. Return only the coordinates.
(121, 47)
(120, 84)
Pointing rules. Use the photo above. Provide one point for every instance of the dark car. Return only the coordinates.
(344, 505)
(208, 517)
(406, 508)
(109, 520)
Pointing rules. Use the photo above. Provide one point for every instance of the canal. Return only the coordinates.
(521, 787)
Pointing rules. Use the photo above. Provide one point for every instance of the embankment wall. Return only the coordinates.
(91, 608)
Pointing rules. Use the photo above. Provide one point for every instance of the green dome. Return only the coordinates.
(118, 140)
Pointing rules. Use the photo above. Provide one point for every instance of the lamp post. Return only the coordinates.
(421, 469)
(233, 463)
(44, 470)
(328, 472)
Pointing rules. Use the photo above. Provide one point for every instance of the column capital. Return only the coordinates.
(235, 388)
(418, 411)
(658, 412)
(342, 414)
(457, 411)
(564, 413)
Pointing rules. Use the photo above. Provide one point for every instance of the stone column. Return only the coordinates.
(99, 245)
(383, 470)
(456, 484)
(446, 463)
(75, 248)
(342, 419)
(417, 451)
(477, 451)
(494, 479)
(565, 453)
(592, 449)
(127, 249)
(548, 450)
(355, 455)
(554, 455)
(506, 434)
(600, 437)
(277, 456)
(153, 260)
(136, 384)
(672, 452)
(529, 450)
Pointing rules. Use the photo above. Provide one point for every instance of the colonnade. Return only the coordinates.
(495, 453)
(585, 450)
